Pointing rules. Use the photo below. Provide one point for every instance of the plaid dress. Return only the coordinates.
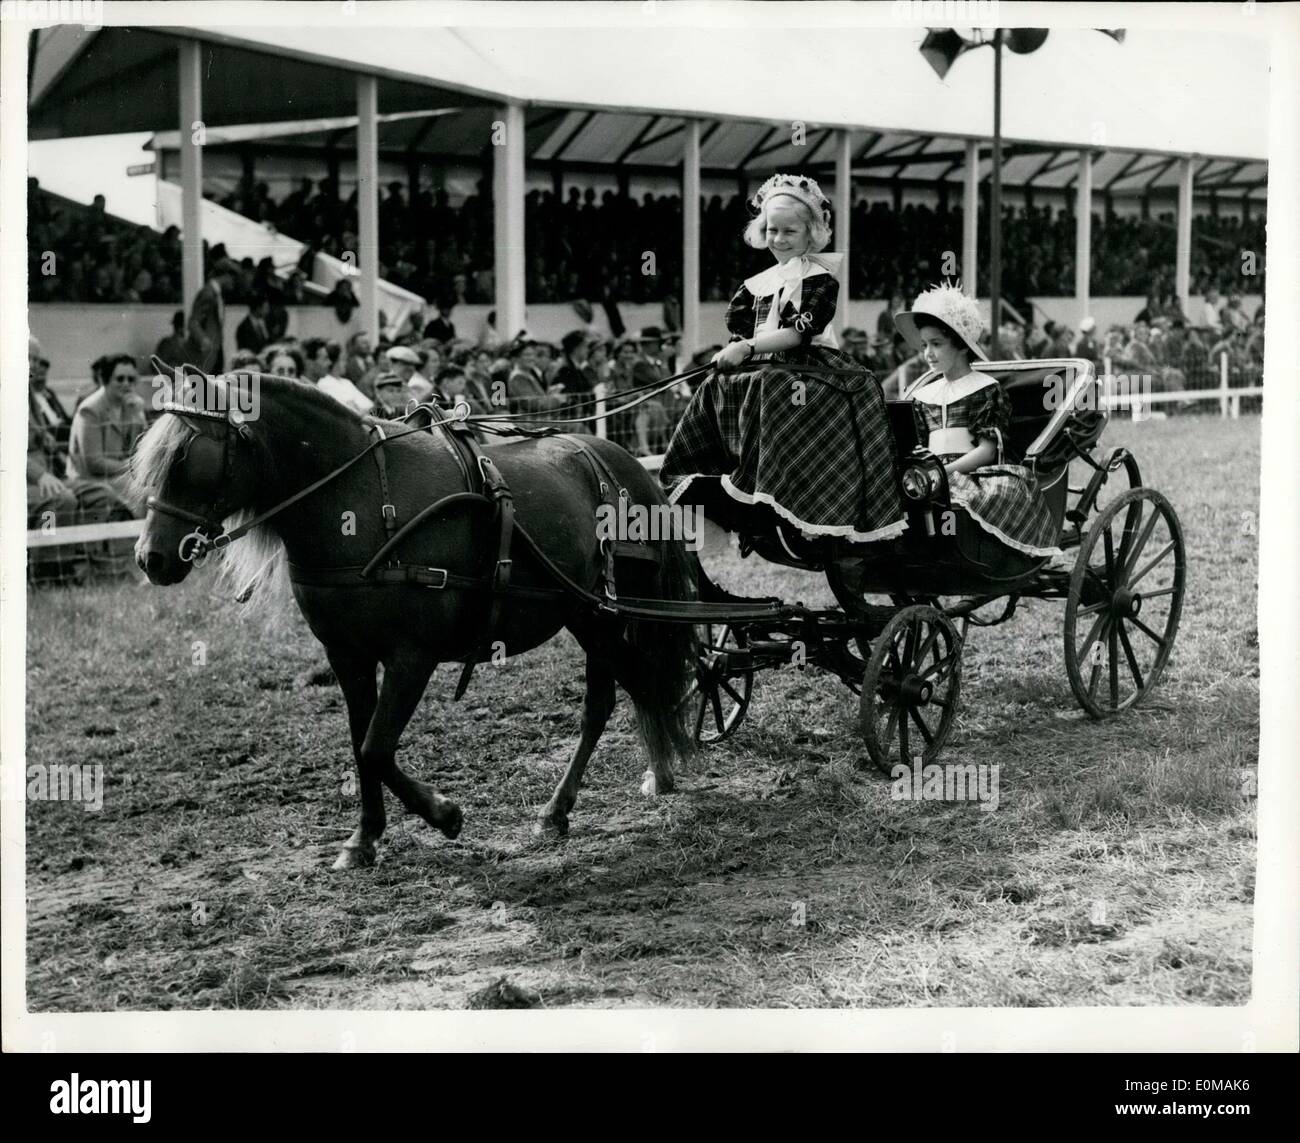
(1002, 498)
(817, 450)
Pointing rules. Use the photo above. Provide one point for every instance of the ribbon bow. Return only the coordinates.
(791, 276)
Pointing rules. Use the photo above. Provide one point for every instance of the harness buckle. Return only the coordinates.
(389, 511)
(502, 574)
(220, 540)
(438, 571)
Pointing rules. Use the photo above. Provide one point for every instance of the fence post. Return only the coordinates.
(602, 429)
(1223, 384)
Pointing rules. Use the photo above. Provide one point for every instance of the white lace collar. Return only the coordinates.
(774, 277)
(941, 391)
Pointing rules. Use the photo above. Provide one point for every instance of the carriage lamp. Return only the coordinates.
(924, 477)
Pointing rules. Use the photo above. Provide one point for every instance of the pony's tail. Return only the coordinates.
(667, 651)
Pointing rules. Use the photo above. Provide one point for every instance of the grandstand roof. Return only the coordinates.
(605, 96)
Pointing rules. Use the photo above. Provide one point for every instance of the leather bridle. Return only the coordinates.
(210, 532)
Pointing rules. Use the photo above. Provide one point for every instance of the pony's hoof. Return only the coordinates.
(551, 827)
(653, 785)
(451, 823)
(355, 857)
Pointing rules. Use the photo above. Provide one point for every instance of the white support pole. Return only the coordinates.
(690, 243)
(1223, 384)
(1183, 255)
(191, 113)
(368, 200)
(601, 393)
(970, 207)
(508, 219)
(1083, 236)
(843, 218)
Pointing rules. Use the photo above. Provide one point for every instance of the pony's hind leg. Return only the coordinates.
(596, 709)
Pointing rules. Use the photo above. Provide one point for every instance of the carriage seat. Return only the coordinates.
(1046, 396)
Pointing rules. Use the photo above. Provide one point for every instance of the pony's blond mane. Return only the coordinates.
(257, 561)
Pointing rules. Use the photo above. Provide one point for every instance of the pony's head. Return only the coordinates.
(194, 469)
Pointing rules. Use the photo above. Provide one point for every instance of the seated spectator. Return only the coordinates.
(245, 360)
(359, 365)
(45, 410)
(1059, 340)
(440, 326)
(284, 361)
(454, 390)
(320, 359)
(1210, 311)
(390, 396)
(405, 362)
(253, 332)
(524, 386)
(1086, 346)
(1234, 317)
(343, 300)
(176, 349)
(106, 427)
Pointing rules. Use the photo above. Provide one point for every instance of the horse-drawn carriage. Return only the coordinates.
(453, 553)
(1123, 592)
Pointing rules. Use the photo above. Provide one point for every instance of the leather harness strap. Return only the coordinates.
(386, 506)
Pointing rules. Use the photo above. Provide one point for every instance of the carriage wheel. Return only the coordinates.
(719, 696)
(910, 689)
(1126, 596)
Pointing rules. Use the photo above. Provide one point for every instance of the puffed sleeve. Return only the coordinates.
(818, 299)
(990, 417)
(740, 315)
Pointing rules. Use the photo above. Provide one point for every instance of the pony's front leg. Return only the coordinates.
(596, 709)
(406, 675)
(356, 675)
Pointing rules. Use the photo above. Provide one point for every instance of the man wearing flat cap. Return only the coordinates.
(405, 362)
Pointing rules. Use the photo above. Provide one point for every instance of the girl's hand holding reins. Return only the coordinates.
(733, 356)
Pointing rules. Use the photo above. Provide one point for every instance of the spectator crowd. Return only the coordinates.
(610, 246)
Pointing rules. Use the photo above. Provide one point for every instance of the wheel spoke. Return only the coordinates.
(920, 722)
(1169, 547)
(1143, 627)
(1093, 680)
(1092, 638)
(889, 728)
(909, 645)
(1131, 549)
(1112, 660)
(902, 741)
(716, 700)
(699, 718)
(1132, 554)
(1161, 591)
(1108, 543)
(926, 647)
(1091, 608)
(936, 668)
(726, 686)
(1132, 658)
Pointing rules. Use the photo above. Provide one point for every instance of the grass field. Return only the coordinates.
(1117, 870)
